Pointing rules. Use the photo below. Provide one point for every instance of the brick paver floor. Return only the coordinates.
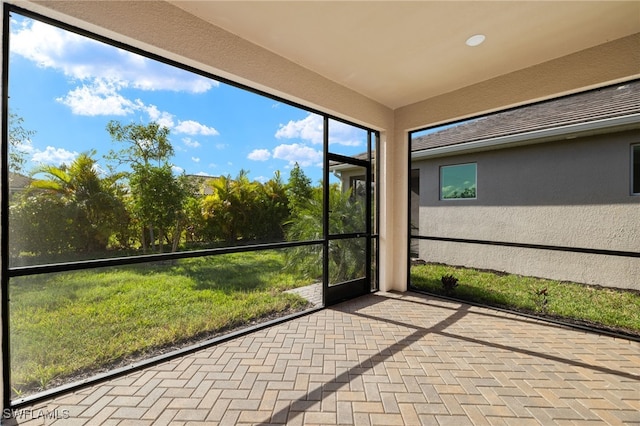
(383, 359)
(313, 293)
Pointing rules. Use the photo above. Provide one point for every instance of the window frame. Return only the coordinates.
(440, 181)
(634, 169)
(7, 272)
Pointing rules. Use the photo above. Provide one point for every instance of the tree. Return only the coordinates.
(157, 195)
(241, 209)
(272, 210)
(81, 209)
(299, 189)
(158, 201)
(230, 209)
(41, 224)
(346, 216)
(306, 224)
(196, 229)
(145, 143)
(18, 139)
(99, 209)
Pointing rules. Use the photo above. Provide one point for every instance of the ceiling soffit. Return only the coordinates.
(399, 53)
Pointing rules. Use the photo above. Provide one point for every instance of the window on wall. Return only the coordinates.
(635, 173)
(458, 181)
(415, 198)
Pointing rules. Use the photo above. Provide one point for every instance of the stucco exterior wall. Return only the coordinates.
(616, 61)
(570, 193)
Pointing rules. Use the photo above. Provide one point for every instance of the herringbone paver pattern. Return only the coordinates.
(384, 359)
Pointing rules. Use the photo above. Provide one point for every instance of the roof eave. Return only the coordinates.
(539, 136)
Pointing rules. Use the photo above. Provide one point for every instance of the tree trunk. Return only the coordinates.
(153, 239)
(143, 239)
(176, 237)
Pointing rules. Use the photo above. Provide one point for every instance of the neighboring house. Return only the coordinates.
(562, 173)
(18, 183)
(201, 184)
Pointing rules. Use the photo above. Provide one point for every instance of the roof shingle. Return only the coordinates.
(609, 102)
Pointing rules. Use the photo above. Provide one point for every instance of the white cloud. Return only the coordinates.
(221, 146)
(259, 155)
(54, 156)
(262, 179)
(82, 58)
(343, 134)
(203, 174)
(301, 154)
(190, 143)
(99, 98)
(163, 118)
(101, 72)
(195, 159)
(102, 98)
(191, 127)
(177, 169)
(310, 129)
(25, 146)
(44, 44)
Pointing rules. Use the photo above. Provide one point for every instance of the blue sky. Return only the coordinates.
(67, 88)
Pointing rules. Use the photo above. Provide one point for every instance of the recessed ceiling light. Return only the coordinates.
(475, 40)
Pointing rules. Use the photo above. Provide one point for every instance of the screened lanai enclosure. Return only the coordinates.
(178, 173)
(152, 207)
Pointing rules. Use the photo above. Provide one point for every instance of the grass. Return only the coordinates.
(68, 324)
(601, 307)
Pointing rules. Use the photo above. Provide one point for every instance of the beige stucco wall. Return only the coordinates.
(570, 193)
(616, 61)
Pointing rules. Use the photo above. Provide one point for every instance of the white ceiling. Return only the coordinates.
(398, 53)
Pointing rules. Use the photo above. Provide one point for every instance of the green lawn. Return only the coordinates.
(74, 323)
(602, 307)
(68, 324)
